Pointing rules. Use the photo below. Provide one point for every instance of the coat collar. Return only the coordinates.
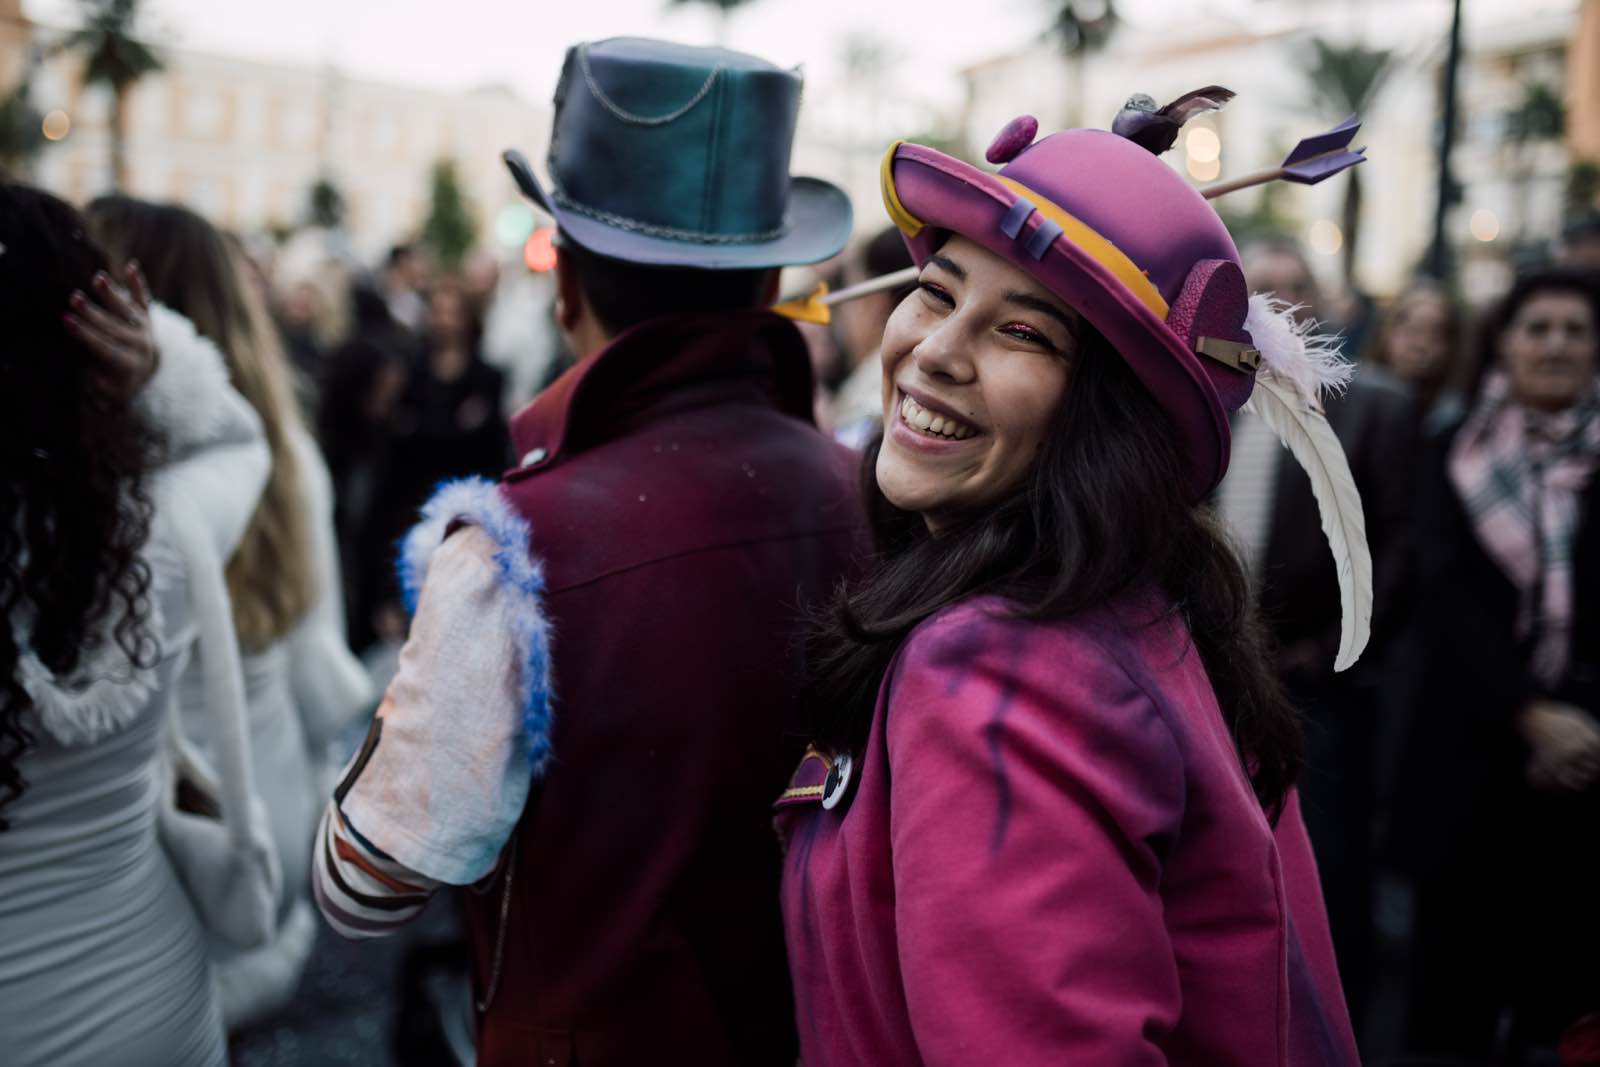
(669, 363)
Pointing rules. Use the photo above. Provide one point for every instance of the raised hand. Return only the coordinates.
(115, 325)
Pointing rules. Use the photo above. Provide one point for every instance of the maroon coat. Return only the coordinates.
(686, 511)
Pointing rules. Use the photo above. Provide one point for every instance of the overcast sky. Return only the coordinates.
(464, 43)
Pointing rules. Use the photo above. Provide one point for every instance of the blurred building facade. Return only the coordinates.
(14, 39)
(244, 141)
(1514, 177)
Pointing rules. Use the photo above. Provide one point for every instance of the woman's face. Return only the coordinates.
(1549, 350)
(1419, 339)
(975, 364)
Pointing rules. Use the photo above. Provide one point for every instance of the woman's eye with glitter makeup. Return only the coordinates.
(937, 294)
(1023, 332)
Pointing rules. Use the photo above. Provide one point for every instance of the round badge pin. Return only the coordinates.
(838, 782)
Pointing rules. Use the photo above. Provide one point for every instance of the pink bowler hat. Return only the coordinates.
(1118, 235)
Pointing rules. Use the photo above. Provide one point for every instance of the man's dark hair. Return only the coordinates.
(623, 295)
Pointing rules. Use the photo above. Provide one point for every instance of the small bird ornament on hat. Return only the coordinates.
(1156, 128)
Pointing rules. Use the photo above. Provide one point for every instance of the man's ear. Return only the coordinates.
(570, 301)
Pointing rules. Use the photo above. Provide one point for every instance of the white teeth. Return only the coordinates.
(920, 418)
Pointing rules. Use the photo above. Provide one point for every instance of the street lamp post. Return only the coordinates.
(1438, 265)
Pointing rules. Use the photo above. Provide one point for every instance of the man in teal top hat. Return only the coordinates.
(591, 717)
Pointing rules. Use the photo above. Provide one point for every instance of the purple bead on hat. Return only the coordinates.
(1012, 138)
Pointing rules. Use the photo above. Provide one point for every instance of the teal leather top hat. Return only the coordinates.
(673, 155)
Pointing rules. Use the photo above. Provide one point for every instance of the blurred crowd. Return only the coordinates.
(1451, 784)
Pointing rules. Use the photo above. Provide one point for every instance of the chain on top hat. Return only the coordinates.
(674, 155)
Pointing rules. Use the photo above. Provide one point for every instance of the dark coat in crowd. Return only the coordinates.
(686, 512)
(1375, 421)
(1508, 877)
(442, 429)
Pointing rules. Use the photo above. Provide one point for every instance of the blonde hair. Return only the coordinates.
(192, 269)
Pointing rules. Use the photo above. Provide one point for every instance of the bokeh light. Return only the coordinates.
(512, 224)
(1326, 238)
(539, 253)
(1485, 224)
(1203, 144)
(1204, 170)
(56, 125)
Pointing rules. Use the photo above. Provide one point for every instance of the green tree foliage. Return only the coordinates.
(1084, 26)
(1343, 79)
(1539, 116)
(115, 58)
(20, 133)
(451, 229)
(325, 204)
(1583, 187)
(1081, 28)
(722, 6)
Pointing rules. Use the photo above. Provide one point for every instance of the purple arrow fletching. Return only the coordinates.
(1313, 170)
(1322, 143)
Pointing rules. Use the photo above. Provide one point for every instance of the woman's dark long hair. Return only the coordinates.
(73, 457)
(1104, 511)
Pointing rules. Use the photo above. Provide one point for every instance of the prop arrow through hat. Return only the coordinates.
(1316, 157)
(816, 306)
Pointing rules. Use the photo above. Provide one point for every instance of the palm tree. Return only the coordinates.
(1081, 28)
(1343, 80)
(1539, 118)
(20, 133)
(724, 9)
(21, 130)
(115, 58)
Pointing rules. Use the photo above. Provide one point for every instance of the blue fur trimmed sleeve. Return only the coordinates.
(464, 727)
(477, 502)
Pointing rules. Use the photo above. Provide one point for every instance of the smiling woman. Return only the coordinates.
(1049, 807)
(975, 364)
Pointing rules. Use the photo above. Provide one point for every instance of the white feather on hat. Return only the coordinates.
(1299, 365)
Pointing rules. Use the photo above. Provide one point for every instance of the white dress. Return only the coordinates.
(102, 957)
(300, 692)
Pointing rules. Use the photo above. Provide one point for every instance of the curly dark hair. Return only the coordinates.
(73, 457)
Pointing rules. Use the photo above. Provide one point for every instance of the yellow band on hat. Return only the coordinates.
(1095, 246)
(904, 220)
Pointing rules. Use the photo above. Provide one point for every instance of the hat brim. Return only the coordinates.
(949, 196)
(816, 226)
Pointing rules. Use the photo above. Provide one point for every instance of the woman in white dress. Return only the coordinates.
(116, 486)
(302, 684)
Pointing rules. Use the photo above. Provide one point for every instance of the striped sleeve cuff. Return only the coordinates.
(361, 892)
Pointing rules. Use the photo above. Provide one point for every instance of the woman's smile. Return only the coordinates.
(929, 418)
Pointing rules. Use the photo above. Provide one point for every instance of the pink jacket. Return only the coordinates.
(1052, 856)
